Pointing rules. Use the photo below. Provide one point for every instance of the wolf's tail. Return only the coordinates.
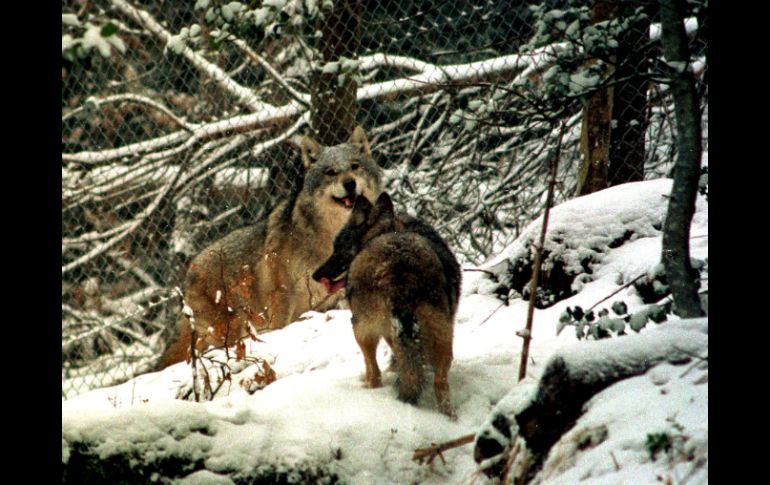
(409, 355)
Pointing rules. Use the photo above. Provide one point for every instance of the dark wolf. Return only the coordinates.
(403, 284)
(259, 275)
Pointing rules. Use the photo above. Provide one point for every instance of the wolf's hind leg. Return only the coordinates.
(393, 365)
(368, 343)
(441, 385)
(440, 331)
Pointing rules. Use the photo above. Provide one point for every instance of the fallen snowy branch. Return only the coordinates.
(272, 118)
(431, 78)
(386, 60)
(129, 228)
(434, 77)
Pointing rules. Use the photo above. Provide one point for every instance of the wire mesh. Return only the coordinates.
(178, 123)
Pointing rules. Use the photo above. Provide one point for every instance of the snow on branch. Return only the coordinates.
(174, 181)
(431, 78)
(386, 60)
(268, 117)
(94, 103)
(104, 156)
(244, 95)
(128, 229)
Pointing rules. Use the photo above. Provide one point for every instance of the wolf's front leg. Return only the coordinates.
(279, 289)
(279, 308)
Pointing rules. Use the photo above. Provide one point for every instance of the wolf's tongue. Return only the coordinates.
(333, 286)
(348, 201)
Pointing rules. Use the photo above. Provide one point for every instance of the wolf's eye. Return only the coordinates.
(354, 166)
(329, 172)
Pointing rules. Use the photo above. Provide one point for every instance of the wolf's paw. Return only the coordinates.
(373, 383)
(448, 411)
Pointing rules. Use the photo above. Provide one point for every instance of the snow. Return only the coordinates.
(201, 4)
(93, 38)
(241, 178)
(690, 26)
(70, 19)
(175, 44)
(319, 411)
(230, 10)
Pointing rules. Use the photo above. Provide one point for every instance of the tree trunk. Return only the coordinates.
(681, 206)
(597, 128)
(334, 104)
(615, 117)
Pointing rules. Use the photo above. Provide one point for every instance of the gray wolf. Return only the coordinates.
(403, 284)
(260, 275)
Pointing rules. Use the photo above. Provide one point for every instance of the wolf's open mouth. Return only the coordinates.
(346, 201)
(333, 286)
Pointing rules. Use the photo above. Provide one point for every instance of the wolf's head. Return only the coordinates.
(336, 176)
(366, 222)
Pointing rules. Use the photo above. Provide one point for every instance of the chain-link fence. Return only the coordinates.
(179, 123)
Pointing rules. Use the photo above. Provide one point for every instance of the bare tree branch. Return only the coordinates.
(302, 98)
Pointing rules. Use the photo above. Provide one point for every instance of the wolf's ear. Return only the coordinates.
(310, 150)
(383, 207)
(361, 210)
(359, 138)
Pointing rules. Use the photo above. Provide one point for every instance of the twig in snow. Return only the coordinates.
(526, 334)
(480, 271)
(490, 315)
(188, 312)
(427, 455)
(617, 291)
(615, 462)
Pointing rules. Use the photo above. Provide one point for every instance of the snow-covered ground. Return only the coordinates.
(318, 411)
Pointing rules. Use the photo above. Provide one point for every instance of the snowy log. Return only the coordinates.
(540, 414)
(168, 442)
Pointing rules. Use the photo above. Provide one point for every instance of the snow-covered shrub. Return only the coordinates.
(601, 324)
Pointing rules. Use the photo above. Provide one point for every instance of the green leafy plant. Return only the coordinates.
(603, 324)
(672, 443)
(656, 443)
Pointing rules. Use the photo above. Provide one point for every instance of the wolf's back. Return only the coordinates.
(407, 272)
(449, 265)
(231, 252)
